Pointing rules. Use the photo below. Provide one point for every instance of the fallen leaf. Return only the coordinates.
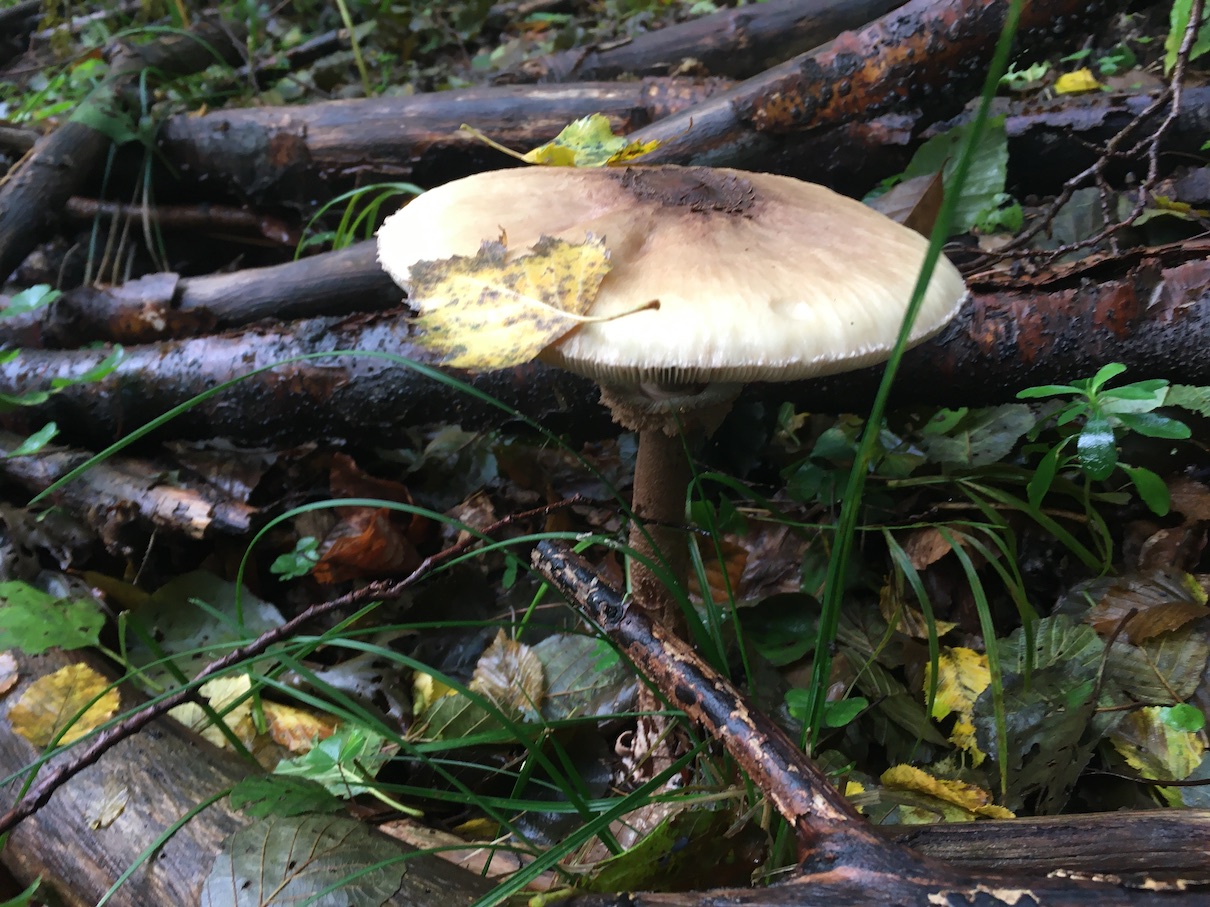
(53, 703)
(1074, 82)
(970, 797)
(296, 729)
(487, 312)
(962, 674)
(510, 674)
(227, 696)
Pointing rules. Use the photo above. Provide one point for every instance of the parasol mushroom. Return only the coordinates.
(758, 277)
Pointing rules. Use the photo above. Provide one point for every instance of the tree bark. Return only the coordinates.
(294, 155)
(927, 53)
(735, 43)
(1153, 318)
(165, 772)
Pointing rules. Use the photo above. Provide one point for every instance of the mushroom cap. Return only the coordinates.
(759, 277)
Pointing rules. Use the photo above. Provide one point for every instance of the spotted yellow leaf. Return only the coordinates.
(1074, 82)
(962, 674)
(969, 797)
(488, 311)
(1156, 750)
(54, 703)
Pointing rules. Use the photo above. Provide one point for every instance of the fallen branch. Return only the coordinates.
(841, 860)
(735, 43)
(32, 198)
(1152, 316)
(927, 53)
(293, 155)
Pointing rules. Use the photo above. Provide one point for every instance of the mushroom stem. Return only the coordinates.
(661, 477)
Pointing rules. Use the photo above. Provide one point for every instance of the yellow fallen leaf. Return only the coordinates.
(962, 674)
(970, 797)
(296, 729)
(221, 693)
(53, 702)
(427, 689)
(1156, 750)
(586, 142)
(486, 312)
(1073, 82)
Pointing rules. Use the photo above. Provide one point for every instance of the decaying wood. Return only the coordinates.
(32, 198)
(1153, 318)
(115, 494)
(164, 773)
(735, 43)
(1160, 843)
(927, 53)
(164, 306)
(294, 155)
(842, 861)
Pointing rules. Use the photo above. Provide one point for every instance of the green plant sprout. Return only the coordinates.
(1094, 420)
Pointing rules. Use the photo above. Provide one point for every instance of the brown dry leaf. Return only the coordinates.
(1162, 601)
(970, 797)
(9, 674)
(723, 586)
(510, 674)
(489, 312)
(296, 729)
(907, 619)
(366, 543)
(1189, 498)
(51, 703)
(925, 546)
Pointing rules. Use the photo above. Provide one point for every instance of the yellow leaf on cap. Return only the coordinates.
(486, 312)
(51, 703)
(1073, 82)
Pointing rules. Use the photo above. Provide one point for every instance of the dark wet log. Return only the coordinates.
(165, 773)
(842, 861)
(32, 199)
(199, 220)
(1159, 843)
(294, 155)
(734, 43)
(1152, 315)
(163, 306)
(930, 54)
(121, 494)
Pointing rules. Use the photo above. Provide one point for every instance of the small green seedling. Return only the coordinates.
(1093, 421)
(299, 562)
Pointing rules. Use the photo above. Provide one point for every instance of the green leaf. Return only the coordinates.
(1151, 488)
(1190, 397)
(33, 621)
(99, 371)
(30, 299)
(1183, 717)
(1104, 375)
(344, 763)
(1046, 390)
(1097, 448)
(1178, 21)
(988, 169)
(1153, 425)
(279, 795)
(299, 562)
(981, 437)
(1044, 476)
(844, 712)
(36, 441)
